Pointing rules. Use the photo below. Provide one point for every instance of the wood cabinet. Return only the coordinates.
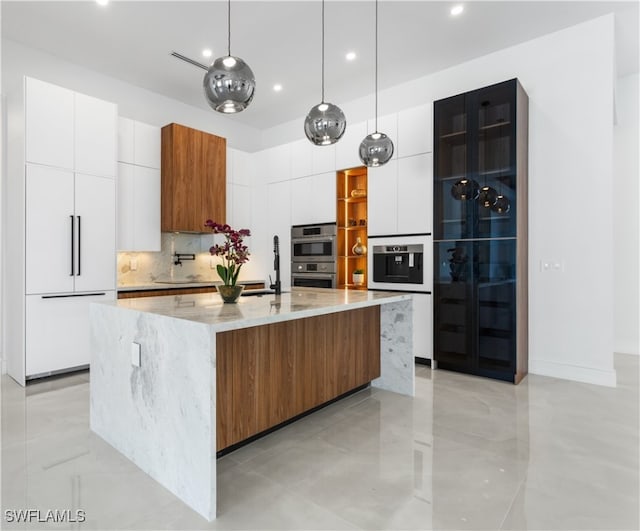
(352, 221)
(193, 179)
(266, 375)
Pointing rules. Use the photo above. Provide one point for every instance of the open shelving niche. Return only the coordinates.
(352, 223)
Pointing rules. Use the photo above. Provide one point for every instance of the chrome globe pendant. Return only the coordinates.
(325, 123)
(377, 148)
(229, 84)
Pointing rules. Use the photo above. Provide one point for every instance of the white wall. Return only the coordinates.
(133, 102)
(626, 233)
(569, 76)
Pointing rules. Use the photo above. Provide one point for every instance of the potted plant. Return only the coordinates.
(234, 253)
(358, 277)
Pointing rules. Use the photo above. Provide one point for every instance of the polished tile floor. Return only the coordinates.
(464, 453)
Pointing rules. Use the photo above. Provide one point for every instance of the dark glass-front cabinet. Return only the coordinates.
(480, 232)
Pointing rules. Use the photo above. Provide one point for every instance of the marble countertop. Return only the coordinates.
(178, 284)
(256, 310)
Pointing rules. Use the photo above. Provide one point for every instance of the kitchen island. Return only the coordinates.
(175, 380)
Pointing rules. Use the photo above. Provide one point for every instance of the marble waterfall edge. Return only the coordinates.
(160, 415)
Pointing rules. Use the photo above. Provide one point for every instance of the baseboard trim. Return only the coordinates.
(575, 373)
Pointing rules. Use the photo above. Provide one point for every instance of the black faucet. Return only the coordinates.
(179, 257)
(277, 285)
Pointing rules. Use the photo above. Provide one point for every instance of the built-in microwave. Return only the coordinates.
(313, 243)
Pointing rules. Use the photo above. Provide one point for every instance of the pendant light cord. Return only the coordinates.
(322, 99)
(229, 28)
(376, 66)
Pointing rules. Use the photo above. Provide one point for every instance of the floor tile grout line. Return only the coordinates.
(513, 500)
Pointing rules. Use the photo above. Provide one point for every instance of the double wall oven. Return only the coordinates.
(313, 255)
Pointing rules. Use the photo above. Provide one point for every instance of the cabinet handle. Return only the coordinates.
(73, 258)
(79, 244)
(73, 295)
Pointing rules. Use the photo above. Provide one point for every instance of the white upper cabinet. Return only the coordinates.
(415, 193)
(415, 131)
(49, 124)
(323, 198)
(240, 212)
(277, 163)
(383, 199)
(147, 145)
(95, 145)
(125, 140)
(138, 186)
(242, 167)
(301, 158)
(323, 158)
(347, 148)
(301, 198)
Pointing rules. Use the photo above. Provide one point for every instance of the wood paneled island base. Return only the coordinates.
(175, 379)
(269, 374)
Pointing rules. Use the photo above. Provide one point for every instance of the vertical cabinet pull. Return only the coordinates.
(73, 258)
(79, 245)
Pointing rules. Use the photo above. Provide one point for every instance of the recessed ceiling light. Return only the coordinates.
(456, 10)
(102, 2)
(207, 52)
(277, 87)
(351, 56)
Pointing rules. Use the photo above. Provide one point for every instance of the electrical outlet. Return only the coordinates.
(133, 264)
(135, 354)
(212, 263)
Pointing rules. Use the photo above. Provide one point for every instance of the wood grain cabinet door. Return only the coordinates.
(193, 179)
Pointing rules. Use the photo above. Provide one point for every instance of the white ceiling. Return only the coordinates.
(281, 42)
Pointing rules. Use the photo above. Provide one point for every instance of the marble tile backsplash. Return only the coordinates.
(158, 267)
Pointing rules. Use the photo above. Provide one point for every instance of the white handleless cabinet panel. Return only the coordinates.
(95, 136)
(300, 158)
(146, 145)
(242, 168)
(126, 208)
(383, 199)
(126, 140)
(49, 224)
(96, 238)
(278, 163)
(48, 124)
(279, 222)
(415, 193)
(241, 207)
(323, 198)
(347, 148)
(57, 332)
(415, 131)
(323, 158)
(301, 201)
(422, 326)
(146, 209)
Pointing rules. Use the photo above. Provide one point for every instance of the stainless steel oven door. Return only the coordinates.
(313, 280)
(321, 249)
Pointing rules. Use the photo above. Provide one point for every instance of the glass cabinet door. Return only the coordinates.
(454, 190)
(494, 119)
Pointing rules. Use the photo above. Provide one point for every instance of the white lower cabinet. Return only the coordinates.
(422, 326)
(57, 331)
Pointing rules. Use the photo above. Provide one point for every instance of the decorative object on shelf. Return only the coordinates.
(362, 222)
(358, 277)
(229, 84)
(352, 222)
(376, 149)
(465, 190)
(234, 254)
(326, 123)
(359, 248)
(358, 192)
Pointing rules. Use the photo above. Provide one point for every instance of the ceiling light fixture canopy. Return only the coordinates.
(376, 149)
(229, 84)
(325, 123)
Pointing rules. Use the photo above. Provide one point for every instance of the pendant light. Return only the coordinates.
(325, 123)
(229, 84)
(502, 204)
(488, 195)
(377, 148)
